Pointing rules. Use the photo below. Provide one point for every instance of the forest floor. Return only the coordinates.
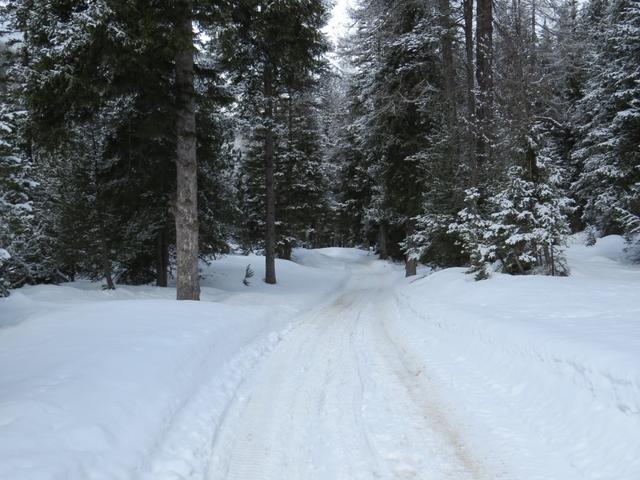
(344, 370)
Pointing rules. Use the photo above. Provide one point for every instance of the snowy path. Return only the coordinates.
(345, 370)
(340, 398)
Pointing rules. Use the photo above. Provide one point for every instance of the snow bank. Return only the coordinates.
(549, 366)
(85, 392)
(129, 383)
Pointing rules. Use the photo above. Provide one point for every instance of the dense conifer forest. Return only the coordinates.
(137, 137)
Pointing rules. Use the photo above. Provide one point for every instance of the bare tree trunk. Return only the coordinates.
(270, 240)
(188, 282)
(484, 76)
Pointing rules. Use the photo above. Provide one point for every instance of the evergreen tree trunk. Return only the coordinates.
(410, 267)
(448, 73)
(270, 227)
(484, 77)
(468, 46)
(470, 85)
(382, 241)
(284, 252)
(188, 282)
(447, 63)
(410, 264)
(162, 259)
(532, 157)
(108, 275)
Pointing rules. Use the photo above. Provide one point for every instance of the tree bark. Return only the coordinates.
(108, 275)
(470, 88)
(452, 144)
(382, 241)
(447, 63)
(468, 46)
(484, 77)
(410, 267)
(270, 227)
(188, 282)
(102, 215)
(410, 264)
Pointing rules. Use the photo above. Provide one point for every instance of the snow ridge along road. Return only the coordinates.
(341, 398)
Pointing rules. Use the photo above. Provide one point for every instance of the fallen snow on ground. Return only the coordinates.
(120, 384)
(344, 370)
(544, 372)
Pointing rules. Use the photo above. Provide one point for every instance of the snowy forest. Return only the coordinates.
(319, 239)
(138, 136)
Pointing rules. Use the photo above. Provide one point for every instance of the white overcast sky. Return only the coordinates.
(339, 21)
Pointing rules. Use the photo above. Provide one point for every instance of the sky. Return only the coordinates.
(339, 21)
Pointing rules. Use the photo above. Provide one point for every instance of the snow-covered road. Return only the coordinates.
(344, 370)
(342, 398)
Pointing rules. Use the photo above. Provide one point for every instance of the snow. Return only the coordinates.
(549, 366)
(345, 369)
(112, 384)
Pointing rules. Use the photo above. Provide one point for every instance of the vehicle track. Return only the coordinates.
(340, 398)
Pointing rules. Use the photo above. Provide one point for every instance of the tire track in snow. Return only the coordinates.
(340, 398)
(289, 419)
(412, 373)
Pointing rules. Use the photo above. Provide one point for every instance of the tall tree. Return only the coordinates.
(608, 121)
(101, 92)
(188, 283)
(484, 78)
(273, 48)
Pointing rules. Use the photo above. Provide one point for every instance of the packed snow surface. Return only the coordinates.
(344, 370)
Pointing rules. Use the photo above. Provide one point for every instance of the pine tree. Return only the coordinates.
(19, 237)
(528, 226)
(105, 113)
(354, 185)
(523, 227)
(471, 227)
(608, 119)
(300, 183)
(272, 48)
(518, 216)
(16, 211)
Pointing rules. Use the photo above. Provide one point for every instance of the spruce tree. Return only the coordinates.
(272, 48)
(608, 119)
(101, 98)
(16, 209)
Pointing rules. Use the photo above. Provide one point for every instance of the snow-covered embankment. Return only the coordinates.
(129, 383)
(543, 372)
